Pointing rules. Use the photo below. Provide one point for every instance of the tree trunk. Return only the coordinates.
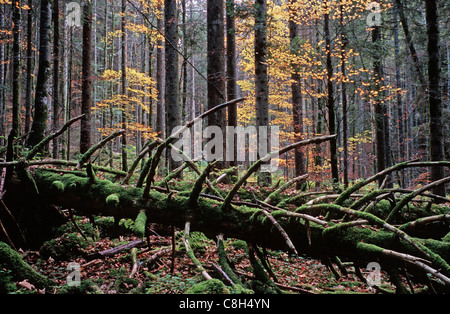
(124, 88)
(184, 65)
(381, 117)
(30, 68)
(56, 61)
(231, 71)
(434, 93)
(317, 238)
(330, 100)
(344, 98)
(2, 83)
(42, 94)
(173, 112)
(401, 155)
(216, 70)
(86, 81)
(262, 85)
(159, 80)
(296, 89)
(16, 84)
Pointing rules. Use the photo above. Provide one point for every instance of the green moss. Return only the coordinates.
(65, 247)
(239, 245)
(262, 284)
(140, 224)
(6, 281)
(59, 186)
(19, 269)
(446, 238)
(113, 200)
(212, 286)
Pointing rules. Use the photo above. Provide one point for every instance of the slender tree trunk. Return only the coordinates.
(86, 80)
(296, 89)
(42, 94)
(69, 89)
(231, 71)
(124, 88)
(262, 85)
(344, 97)
(216, 66)
(400, 115)
(378, 107)
(173, 117)
(56, 62)
(434, 94)
(16, 83)
(159, 79)
(2, 82)
(330, 100)
(30, 68)
(184, 64)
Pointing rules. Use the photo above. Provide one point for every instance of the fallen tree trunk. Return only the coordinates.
(249, 223)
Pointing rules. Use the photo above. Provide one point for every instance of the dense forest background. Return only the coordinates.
(92, 93)
(348, 78)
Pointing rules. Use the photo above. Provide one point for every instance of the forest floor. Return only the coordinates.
(112, 274)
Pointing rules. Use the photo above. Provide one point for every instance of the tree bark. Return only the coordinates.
(86, 80)
(402, 153)
(231, 70)
(2, 83)
(384, 159)
(16, 84)
(159, 127)
(434, 93)
(216, 68)
(124, 88)
(344, 97)
(296, 90)
(42, 94)
(262, 85)
(330, 99)
(56, 81)
(30, 68)
(173, 112)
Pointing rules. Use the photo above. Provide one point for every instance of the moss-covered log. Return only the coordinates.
(103, 197)
(315, 237)
(11, 260)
